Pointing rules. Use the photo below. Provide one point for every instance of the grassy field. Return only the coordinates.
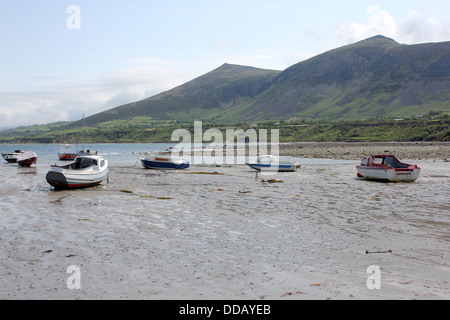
(148, 130)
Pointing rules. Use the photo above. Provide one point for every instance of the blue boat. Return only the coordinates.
(270, 163)
(160, 162)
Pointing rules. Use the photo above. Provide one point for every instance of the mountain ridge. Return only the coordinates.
(219, 89)
(370, 78)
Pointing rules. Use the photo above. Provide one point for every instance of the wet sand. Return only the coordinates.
(226, 233)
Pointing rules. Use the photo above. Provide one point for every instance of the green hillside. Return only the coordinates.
(145, 130)
(376, 77)
(373, 78)
(200, 99)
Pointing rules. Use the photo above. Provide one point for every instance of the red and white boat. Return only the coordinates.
(387, 168)
(66, 152)
(27, 158)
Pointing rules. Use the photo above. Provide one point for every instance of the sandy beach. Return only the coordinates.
(226, 233)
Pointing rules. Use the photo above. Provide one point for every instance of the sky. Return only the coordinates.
(60, 60)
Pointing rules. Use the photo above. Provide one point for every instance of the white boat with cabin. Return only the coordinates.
(85, 171)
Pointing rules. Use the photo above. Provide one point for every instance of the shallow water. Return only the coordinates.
(193, 234)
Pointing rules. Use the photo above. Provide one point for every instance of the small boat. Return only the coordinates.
(162, 162)
(271, 163)
(26, 158)
(87, 152)
(66, 152)
(12, 157)
(85, 171)
(387, 168)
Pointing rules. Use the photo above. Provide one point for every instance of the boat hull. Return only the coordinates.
(270, 163)
(27, 162)
(164, 165)
(274, 167)
(27, 158)
(65, 180)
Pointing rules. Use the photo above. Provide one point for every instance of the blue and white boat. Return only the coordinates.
(271, 163)
(163, 162)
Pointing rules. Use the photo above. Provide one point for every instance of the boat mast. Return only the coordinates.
(81, 126)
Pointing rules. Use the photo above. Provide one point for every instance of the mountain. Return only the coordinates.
(372, 78)
(208, 95)
(376, 77)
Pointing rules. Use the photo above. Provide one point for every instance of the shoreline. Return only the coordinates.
(358, 150)
(343, 150)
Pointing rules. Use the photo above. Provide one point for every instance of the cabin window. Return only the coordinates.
(102, 163)
(395, 163)
(86, 162)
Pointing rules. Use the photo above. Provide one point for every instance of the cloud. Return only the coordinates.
(24, 108)
(61, 100)
(378, 22)
(420, 28)
(64, 99)
(416, 28)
